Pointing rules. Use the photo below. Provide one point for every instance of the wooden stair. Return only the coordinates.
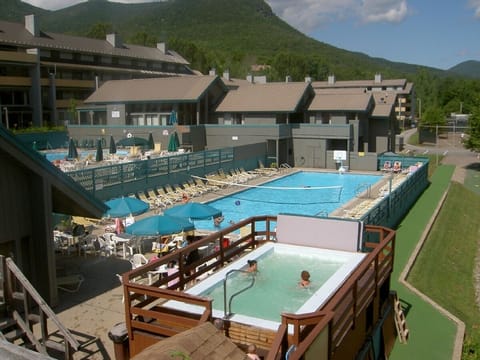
(22, 307)
(400, 321)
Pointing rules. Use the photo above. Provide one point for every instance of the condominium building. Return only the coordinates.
(45, 77)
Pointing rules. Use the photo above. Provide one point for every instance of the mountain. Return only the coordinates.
(233, 32)
(469, 68)
(15, 10)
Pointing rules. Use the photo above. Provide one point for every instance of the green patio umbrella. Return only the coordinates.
(113, 147)
(99, 153)
(151, 143)
(173, 142)
(72, 150)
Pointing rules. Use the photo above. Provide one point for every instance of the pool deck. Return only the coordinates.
(98, 305)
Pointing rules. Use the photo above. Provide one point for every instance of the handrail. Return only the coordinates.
(306, 327)
(12, 274)
(335, 316)
(227, 315)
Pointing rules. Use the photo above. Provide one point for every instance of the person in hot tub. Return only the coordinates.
(252, 266)
(304, 279)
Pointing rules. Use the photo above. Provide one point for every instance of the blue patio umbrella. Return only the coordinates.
(173, 142)
(125, 206)
(151, 143)
(99, 153)
(72, 150)
(113, 148)
(159, 225)
(194, 211)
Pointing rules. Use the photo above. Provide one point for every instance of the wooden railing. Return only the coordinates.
(26, 307)
(339, 314)
(145, 312)
(144, 303)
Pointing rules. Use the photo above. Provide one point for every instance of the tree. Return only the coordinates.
(472, 141)
(433, 116)
(99, 31)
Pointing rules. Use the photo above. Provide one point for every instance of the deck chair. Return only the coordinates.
(397, 167)
(70, 283)
(387, 166)
(164, 198)
(143, 196)
(209, 187)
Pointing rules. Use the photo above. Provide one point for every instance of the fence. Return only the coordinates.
(130, 177)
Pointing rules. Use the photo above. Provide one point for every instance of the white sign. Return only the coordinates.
(234, 137)
(339, 155)
(115, 114)
(165, 132)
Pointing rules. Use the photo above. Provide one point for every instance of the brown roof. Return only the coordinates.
(397, 83)
(199, 343)
(384, 103)
(270, 97)
(341, 102)
(186, 89)
(68, 197)
(15, 34)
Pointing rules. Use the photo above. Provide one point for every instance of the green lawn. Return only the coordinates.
(444, 268)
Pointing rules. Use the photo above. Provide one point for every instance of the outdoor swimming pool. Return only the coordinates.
(61, 155)
(275, 289)
(303, 193)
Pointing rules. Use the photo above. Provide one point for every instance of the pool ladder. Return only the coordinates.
(228, 313)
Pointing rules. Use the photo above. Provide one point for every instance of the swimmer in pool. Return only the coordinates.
(304, 279)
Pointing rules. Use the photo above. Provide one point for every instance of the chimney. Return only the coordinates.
(378, 78)
(288, 79)
(250, 78)
(331, 79)
(212, 72)
(226, 75)
(308, 79)
(114, 40)
(31, 25)
(162, 47)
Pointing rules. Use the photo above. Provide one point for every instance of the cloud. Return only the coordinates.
(60, 4)
(383, 10)
(52, 4)
(475, 4)
(307, 15)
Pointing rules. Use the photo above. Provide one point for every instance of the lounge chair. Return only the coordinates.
(207, 186)
(397, 167)
(70, 283)
(143, 196)
(387, 166)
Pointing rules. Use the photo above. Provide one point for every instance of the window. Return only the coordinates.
(86, 58)
(66, 56)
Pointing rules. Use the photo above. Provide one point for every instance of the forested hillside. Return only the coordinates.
(235, 34)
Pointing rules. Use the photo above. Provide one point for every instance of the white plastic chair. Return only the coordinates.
(138, 260)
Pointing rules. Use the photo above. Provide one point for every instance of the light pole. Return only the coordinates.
(6, 117)
(419, 108)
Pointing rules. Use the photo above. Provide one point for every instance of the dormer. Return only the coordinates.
(31, 25)
(115, 40)
(162, 47)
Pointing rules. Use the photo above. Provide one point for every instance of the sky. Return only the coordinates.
(435, 33)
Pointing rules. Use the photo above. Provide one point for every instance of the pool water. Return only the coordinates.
(61, 155)
(297, 193)
(277, 278)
